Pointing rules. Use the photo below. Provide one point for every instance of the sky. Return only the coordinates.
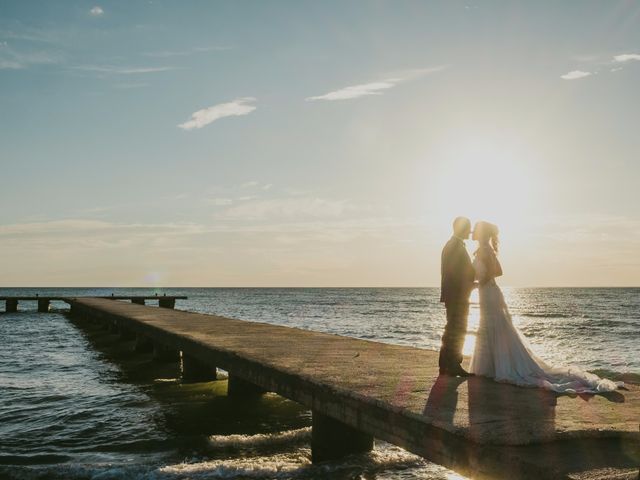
(313, 144)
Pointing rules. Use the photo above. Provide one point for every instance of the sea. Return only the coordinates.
(76, 403)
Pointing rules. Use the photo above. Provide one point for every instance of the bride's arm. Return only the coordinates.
(482, 272)
(498, 267)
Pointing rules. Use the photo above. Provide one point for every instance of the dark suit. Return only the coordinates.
(457, 283)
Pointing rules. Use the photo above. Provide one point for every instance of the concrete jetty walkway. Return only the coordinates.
(358, 390)
(44, 302)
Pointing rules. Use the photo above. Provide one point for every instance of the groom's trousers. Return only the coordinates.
(455, 332)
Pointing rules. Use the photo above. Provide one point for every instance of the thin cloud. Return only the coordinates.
(112, 69)
(219, 202)
(10, 65)
(15, 30)
(182, 53)
(376, 88)
(355, 91)
(256, 184)
(130, 85)
(11, 59)
(201, 118)
(288, 208)
(575, 74)
(96, 11)
(627, 57)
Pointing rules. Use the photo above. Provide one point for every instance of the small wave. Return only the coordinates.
(295, 464)
(288, 465)
(546, 315)
(260, 439)
(298, 465)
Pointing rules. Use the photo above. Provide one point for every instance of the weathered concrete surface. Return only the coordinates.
(475, 426)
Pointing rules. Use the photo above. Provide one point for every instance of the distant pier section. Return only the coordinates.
(358, 390)
(44, 302)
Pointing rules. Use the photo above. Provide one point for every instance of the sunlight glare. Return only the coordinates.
(486, 177)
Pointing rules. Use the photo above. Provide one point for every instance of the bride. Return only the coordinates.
(501, 351)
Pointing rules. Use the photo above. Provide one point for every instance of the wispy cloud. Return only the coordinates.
(118, 70)
(201, 118)
(219, 201)
(127, 86)
(575, 75)
(627, 57)
(96, 11)
(289, 208)
(355, 91)
(599, 64)
(12, 59)
(376, 88)
(254, 184)
(15, 30)
(186, 52)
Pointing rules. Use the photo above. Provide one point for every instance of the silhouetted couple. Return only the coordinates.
(501, 352)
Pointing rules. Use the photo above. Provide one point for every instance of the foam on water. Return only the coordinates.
(385, 461)
(261, 439)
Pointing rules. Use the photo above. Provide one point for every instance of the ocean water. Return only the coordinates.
(77, 403)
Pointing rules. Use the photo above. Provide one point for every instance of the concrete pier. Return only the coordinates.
(332, 439)
(162, 353)
(143, 344)
(193, 370)
(44, 302)
(239, 387)
(165, 302)
(11, 305)
(358, 390)
(43, 305)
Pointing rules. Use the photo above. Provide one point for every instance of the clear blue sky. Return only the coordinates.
(316, 143)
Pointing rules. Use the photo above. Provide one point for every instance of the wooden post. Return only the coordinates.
(43, 305)
(332, 439)
(11, 305)
(193, 370)
(238, 387)
(139, 301)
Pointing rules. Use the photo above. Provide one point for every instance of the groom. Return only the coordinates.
(457, 282)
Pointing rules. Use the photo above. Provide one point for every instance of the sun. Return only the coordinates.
(488, 178)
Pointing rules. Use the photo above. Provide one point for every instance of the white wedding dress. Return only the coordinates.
(501, 351)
